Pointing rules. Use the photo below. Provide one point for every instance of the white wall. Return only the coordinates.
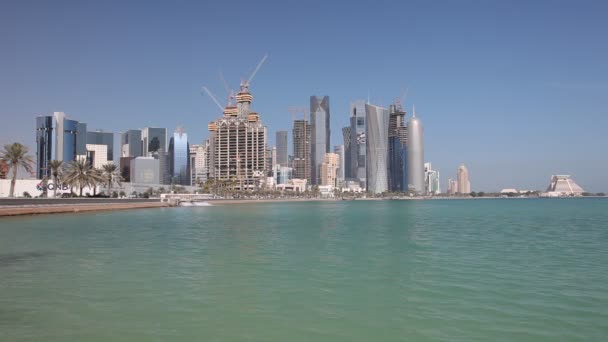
(29, 185)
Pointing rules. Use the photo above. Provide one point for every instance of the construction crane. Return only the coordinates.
(245, 85)
(213, 98)
(229, 91)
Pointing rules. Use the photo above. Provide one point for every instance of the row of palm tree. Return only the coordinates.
(79, 173)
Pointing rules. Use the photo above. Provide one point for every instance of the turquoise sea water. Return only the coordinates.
(438, 270)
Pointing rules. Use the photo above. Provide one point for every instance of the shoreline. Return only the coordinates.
(6, 211)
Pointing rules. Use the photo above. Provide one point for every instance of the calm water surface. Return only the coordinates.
(441, 270)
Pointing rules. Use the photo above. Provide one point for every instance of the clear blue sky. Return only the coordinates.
(516, 90)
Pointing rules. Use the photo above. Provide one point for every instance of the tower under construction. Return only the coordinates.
(237, 142)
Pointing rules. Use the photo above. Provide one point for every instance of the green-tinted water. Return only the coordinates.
(453, 270)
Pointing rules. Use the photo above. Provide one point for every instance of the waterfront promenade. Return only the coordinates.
(15, 206)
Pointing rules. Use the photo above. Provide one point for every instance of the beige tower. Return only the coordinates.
(464, 185)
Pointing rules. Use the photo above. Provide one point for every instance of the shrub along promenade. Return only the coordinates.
(15, 207)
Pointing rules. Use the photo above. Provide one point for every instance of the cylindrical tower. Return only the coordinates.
(415, 155)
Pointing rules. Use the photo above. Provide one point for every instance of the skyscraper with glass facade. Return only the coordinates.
(102, 138)
(57, 138)
(358, 142)
(179, 158)
(376, 131)
(320, 135)
(282, 148)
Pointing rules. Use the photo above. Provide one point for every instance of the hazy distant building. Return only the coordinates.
(431, 179)
(464, 185)
(102, 138)
(347, 152)
(329, 169)
(283, 174)
(57, 138)
(563, 185)
(301, 149)
(282, 148)
(320, 134)
(179, 160)
(397, 141)
(377, 148)
(144, 170)
(415, 155)
(358, 142)
(339, 150)
(452, 187)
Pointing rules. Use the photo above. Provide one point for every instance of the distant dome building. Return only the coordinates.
(563, 186)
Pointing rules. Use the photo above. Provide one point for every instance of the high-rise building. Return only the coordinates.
(131, 143)
(358, 142)
(320, 135)
(431, 180)
(82, 138)
(397, 142)
(179, 161)
(415, 155)
(57, 138)
(102, 138)
(464, 185)
(376, 133)
(347, 152)
(282, 148)
(329, 169)
(198, 163)
(339, 150)
(301, 149)
(97, 155)
(238, 143)
(153, 140)
(452, 187)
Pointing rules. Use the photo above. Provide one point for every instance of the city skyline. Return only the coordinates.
(496, 105)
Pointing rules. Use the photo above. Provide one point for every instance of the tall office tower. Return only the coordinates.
(238, 144)
(131, 143)
(397, 140)
(339, 150)
(153, 140)
(464, 185)
(131, 148)
(301, 149)
(431, 180)
(102, 138)
(198, 162)
(415, 155)
(320, 134)
(282, 148)
(271, 162)
(82, 138)
(164, 166)
(57, 138)
(358, 142)
(179, 161)
(377, 148)
(329, 169)
(346, 156)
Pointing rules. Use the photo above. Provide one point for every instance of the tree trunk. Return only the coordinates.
(13, 181)
(55, 189)
(81, 190)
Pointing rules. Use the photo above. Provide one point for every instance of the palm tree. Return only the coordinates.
(80, 173)
(56, 169)
(15, 156)
(111, 173)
